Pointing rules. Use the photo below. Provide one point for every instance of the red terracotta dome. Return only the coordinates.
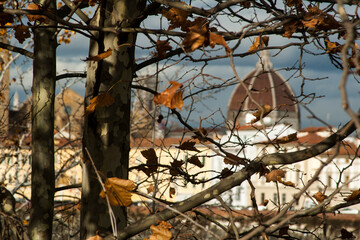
(266, 87)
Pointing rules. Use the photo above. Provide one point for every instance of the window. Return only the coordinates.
(329, 180)
(262, 197)
(238, 194)
(283, 198)
(275, 198)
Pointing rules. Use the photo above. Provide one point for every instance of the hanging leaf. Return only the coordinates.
(150, 189)
(291, 27)
(101, 100)
(275, 175)
(195, 160)
(171, 97)
(355, 195)
(118, 191)
(188, 145)
(96, 237)
(320, 197)
(287, 183)
(197, 35)
(100, 56)
(160, 232)
(291, 3)
(162, 47)
(263, 170)
(259, 42)
(21, 33)
(265, 203)
(176, 165)
(265, 110)
(216, 39)
(151, 160)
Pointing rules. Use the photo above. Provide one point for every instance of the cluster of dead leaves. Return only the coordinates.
(118, 191)
(161, 231)
(320, 197)
(198, 32)
(314, 19)
(38, 18)
(171, 97)
(277, 175)
(151, 161)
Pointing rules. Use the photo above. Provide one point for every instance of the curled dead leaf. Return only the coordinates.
(333, 47)
(171, 97)
(118, 191)
(188, 145)
(234, 160)
(40, 18)
(162, 47)
(151, 161)
(177, 18)
(259, 42)
(261, 113)
(100, 56)
(161, 231)
(101, 100)
(195, 160)
(172, 192)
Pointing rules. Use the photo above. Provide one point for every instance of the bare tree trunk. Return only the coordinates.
(43, 96)
(107, 130)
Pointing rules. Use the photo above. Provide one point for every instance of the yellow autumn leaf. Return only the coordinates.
(259, 42)
(118, 191)
(171, 97)
(261, 113)
(161, 231)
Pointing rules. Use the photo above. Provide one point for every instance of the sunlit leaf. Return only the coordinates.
(198, 35)
(150, 189)
(177, 18)
(355, 195)
(96, 237)
(291, 27)
(118, 191)
(101, 100)
(285, 139)
(333, 47)
(320, 197)
(161, 231)
(286, 183)
(274, 175)
(259, 42)
(291, 3)
(21, 33)
(171, 97)
(100, 56)
(216, 39)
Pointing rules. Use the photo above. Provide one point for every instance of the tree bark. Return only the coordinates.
(43, 96)
(107, 130)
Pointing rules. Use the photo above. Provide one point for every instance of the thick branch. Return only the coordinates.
(17, 49)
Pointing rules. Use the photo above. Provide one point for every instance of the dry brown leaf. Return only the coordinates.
(177, 18)
(288, 183)
(333, 47)
(355, 195)
(172, 192)
(176, 165)
(320, 197)
(234, 160)
(265, 203)
(259, 42)
(171, 97)
(275, 175)
(291, 27)
(188, 145)
(118, 191)
(195, 160)
(263, 170)
(151, 160)
(286, 139)
(291, 3)
(150, 189)
(100, 56)
(265, 110)
(161, 231)
(215, 39)
(198, 34)
(40, 18)
(21, 33)
(316, 19)
(101, 100)
(162, 47)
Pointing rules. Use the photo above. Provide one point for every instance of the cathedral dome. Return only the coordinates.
(266, 87)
